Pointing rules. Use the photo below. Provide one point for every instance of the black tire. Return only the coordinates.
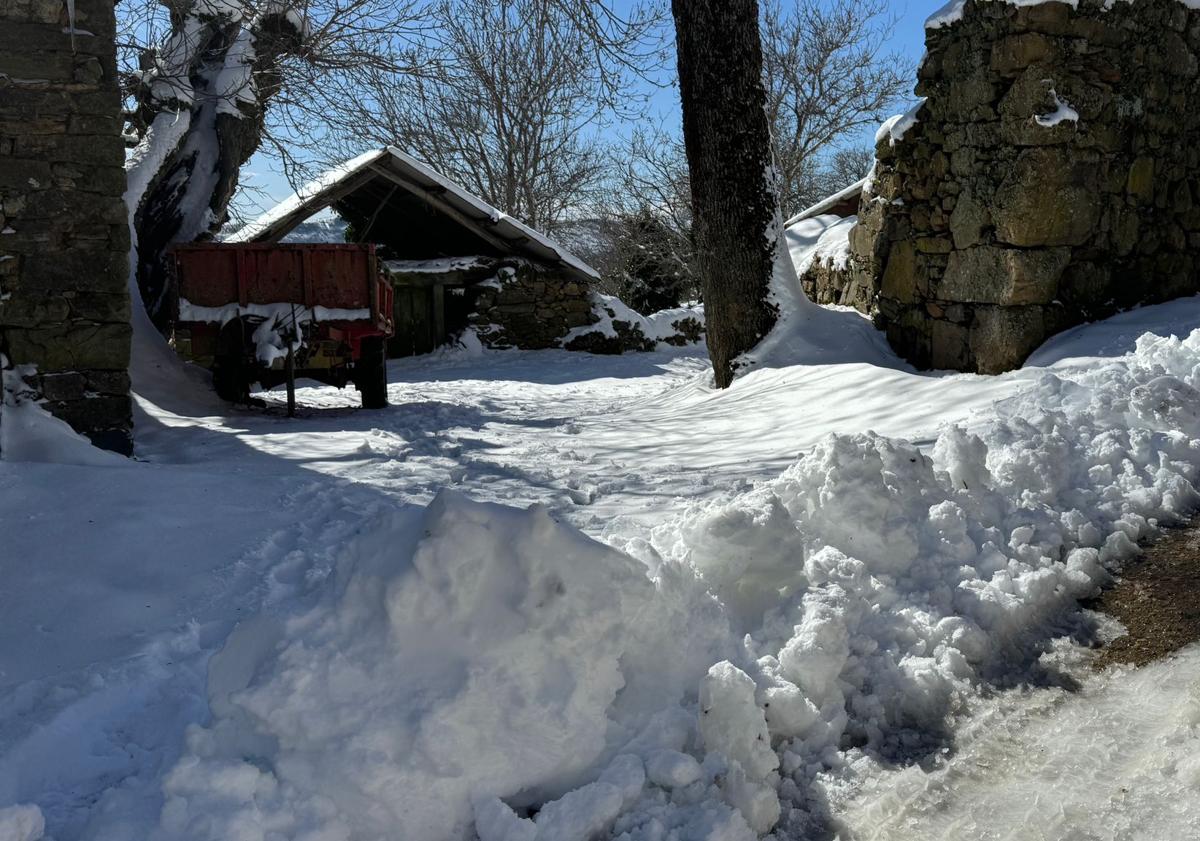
(370, 375)
(231, 377)
(228, 380)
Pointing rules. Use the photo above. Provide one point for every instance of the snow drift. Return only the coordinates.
(478, 669)
(473, 653)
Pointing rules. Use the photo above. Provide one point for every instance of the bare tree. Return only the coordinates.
(846, 166)
(647, 219)
(511, 101)
(735, 215)
(827, 73)
(206, 71)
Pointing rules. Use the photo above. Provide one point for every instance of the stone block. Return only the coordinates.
(71, 347)
(900, 276)
(1139, 185)
(1049, 198)
(1014, 53)
(968, 221)
(948, 346)
(991, 275)
(1001, 338)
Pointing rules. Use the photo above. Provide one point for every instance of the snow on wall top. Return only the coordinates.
(826, 204)
(953, 11)
(390, 162)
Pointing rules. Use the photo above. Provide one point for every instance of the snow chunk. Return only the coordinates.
(672, 769)
(1063, 112)
(731, 722)
(894, 128)
(21, 823)
(30, 433)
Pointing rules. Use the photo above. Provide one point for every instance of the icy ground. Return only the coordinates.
(774, 626)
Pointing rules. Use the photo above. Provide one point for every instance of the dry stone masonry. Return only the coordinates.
(64, 236)
(527, 307)
(1051, 177)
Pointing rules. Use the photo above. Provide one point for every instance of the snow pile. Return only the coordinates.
(894, 128)
(21, 823)
(832, 248)
(471, 653)
(437, 265)
(477, 669)
(876, 582)
(30, 433)
(658, 326)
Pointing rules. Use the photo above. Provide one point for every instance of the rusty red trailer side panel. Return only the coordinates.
(218, 280)
(319, 274)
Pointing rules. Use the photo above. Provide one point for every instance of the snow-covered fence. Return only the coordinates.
(64, 237)
(1049, 177)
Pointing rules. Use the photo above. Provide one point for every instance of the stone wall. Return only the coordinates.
(528, 307)
(64, 237)
(1051, 177)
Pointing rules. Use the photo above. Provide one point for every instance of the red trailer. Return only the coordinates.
(269, 313)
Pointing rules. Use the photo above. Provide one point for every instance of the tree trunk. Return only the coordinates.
(201, 107)
(728, 143)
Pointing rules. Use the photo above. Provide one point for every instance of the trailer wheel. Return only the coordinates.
(230, 376)
(371, 373)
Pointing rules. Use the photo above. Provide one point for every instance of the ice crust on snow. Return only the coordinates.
(1056, 760)
(483, 661)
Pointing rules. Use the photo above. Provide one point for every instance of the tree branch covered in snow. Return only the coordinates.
(199, 77)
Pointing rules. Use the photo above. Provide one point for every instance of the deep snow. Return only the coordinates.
(402, 660)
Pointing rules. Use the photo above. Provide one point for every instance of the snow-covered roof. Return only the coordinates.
(827, 204)
(405, 173)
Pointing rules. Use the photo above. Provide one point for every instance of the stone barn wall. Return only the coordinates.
(995, 219)
(64, 236)
(529, 307)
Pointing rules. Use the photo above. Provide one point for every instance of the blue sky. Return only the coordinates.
(908, 39)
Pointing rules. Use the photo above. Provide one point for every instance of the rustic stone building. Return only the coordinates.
(1050, 177)
(454, 260)
(64, 235)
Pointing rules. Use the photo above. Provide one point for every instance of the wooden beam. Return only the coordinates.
(442, 206)
(323, 199)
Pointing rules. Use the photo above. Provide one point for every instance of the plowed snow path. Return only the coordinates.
(1117, 761)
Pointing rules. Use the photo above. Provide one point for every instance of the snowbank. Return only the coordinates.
(658, 327)
(30, 433)
(476, 652)
(475, 668)
(832, 248)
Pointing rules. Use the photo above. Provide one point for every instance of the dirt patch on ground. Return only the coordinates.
(1157, 597)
